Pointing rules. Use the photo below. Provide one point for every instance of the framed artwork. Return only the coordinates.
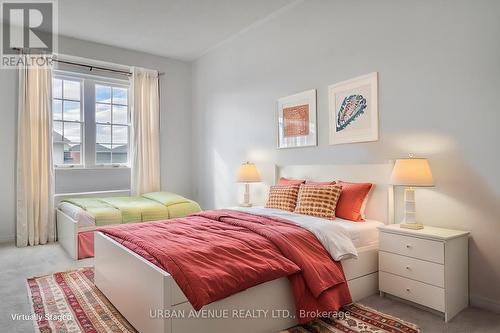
(297, 120)
(353, 108)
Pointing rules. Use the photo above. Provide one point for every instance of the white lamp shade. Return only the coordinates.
(412, 172)
(248, 173)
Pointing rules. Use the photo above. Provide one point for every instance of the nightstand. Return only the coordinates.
(429, 267)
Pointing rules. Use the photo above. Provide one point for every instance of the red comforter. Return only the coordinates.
(214, 254)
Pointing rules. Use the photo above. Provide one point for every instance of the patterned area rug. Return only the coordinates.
(69, 302)
(356, 318)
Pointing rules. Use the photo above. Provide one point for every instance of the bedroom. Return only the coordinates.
(221, 80)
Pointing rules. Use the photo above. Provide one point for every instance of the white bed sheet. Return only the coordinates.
(361, 233)
(84, 220)
(340, 237)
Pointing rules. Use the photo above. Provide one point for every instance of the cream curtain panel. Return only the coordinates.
(35, 175)
(145, 152)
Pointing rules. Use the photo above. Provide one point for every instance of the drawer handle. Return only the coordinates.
(408, 268)
(408, 289)
(408, 246)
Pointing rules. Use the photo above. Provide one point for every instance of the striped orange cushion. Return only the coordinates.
(283, 197)
(318, 200)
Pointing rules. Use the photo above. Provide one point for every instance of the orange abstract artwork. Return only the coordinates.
(296, 120)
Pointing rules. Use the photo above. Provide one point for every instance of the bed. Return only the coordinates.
(139, 289)
(78, 216)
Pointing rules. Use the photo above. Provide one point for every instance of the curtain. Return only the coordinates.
(35, 222)
(145, 152)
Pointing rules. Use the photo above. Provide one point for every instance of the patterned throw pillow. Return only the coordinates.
(318, 200)
(283, 197)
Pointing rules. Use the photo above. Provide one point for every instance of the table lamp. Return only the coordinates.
(247, 174)
(411, 172)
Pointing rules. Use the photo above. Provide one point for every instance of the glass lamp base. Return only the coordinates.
(246, 198)
(415, 226)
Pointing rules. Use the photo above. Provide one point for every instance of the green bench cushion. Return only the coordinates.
(149, 207)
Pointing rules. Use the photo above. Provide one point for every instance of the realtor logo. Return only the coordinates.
(27, 26)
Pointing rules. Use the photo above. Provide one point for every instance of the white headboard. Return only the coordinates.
(380, 205)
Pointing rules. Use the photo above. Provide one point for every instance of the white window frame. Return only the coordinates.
(87, 109)
(81, 122)
(112, 84)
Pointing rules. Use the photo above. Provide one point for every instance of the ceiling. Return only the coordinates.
(181, 29)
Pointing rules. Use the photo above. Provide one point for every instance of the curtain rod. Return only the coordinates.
(90, 67)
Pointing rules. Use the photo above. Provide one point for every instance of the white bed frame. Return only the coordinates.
(140, 290)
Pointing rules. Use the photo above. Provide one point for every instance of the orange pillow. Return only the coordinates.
(318, 200)
(283, 197)
(312, 182)
(286, 181)
(350, 205)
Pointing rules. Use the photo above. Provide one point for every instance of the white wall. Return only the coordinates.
(8, 125)
(439, 70)
(175, 108)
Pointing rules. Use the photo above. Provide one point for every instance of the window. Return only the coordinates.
(111, 115)
(68, 124)
(90, 121)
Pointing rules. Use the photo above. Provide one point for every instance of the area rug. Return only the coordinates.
(69, 302)
(356, 318)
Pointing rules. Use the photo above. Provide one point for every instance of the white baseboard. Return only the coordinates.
(485, 303)
(7, 239)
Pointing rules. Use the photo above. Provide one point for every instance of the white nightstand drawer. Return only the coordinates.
(418, 292)
(412, 268)
(428, 280)
(412, 247)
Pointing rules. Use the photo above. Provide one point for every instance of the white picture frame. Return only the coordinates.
(297, 120)
(353, 110)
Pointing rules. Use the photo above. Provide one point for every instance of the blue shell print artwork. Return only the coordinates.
(352, 107)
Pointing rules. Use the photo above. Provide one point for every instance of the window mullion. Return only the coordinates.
(89, 116)
(111, 108)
